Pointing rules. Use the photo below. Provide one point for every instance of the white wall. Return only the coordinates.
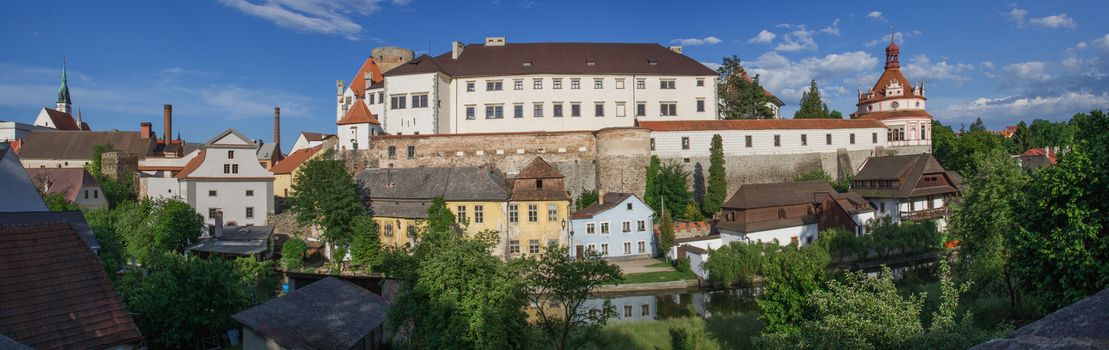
(91, 197)
(55, 163)
(231, 198)
(707, 244)
(15, 130)
(669, 143)
(409, 120)
(782, 235)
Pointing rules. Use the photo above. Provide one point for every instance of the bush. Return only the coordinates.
(885, 239)
(738, 263)
(682, 265)
(292, 254)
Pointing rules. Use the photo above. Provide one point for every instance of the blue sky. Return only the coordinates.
(227, 63)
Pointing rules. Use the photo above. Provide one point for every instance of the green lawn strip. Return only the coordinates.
(658, 276)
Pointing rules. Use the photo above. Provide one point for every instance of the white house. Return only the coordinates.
(789, 212)
(907, 187)
(357, 126)
(226, 177)
(618, 226)
(499, 87)
(898, 104)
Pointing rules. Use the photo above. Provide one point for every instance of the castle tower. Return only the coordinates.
(64, 103)
(898, 104)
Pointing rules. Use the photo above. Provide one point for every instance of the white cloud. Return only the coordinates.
(876, 15)
(1102, 43)
(898, 37)
(1032, 70)
(1055, 21)
(987, 64)
(330, 17)
(1017, 15)
(797, 40)
(1010, 107)
(920, 67)
(786, 78)
(832, 29)
(764, 37)
(709, 40)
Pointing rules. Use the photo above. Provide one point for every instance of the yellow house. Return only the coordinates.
(285, 172)
(399, 199)
(538, 210)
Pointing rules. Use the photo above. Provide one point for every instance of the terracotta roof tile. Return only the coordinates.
(55, 294)
(358, 84)
(63, 120)
(191, 165)
(758, 124)
(294, 160)
(539, 169)
(358, 113)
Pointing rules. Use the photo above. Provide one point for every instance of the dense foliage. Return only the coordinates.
(58, 202)
(813, 107)
(560, 285)
(327, 198)
(292, 254)
(117, 191)
(586, 198)
(884, 240)
(792, 275)
(717, 190)
(741, 96)
(840, 186)
(666, 236)
(365, 251)
(112, 250)
(738, 263)
(153, 227)
(667, 185)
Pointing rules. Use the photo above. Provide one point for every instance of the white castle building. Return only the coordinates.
(898, 104)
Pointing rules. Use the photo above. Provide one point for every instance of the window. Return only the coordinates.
(518, 84)
(626, 226)
(604, 249)
(419, 101)
(575, 84)
(575, 109)
(212, 212)
(533, 213)
(700, 105)
(227, 168)
(392, 152)
(894, 105)
(645, 309)
(620, 109)
(538, 110)
(518, 110)
(552, 212)
(604, 228)
(685, 143)
(852, 139)
(494, 112)
(619, 83)
(494, 85)
(640, 109)
(556, 83)
(411, 152)
(629, 206)
(781, 213)
(230, 154)
(652, 143)
(599, 109)
(513, 247)
(461, 211)
(642, 247)
(641, 225)
(388, 230)
(234, 168)
(666, 84)
(598, 83)
(828, 138)
(668, 109)
(537, 83)
(513, 213)
(747, 141)
(874, 137)
(590, 228)
(557, 110)
(627, 248)
(470, 115)
(533, 246)
(470, 86)
(592, 247)
(804, 140)
(640, 84)
(250, 193)
(479, 214)
(95, 193)
(249, 212)
(777, 140)
(923, 131)
(372, 99)
(410, 230)
(211, 193)
(397, 102)
(700, 82)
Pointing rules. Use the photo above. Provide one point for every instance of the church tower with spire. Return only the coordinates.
(61, 117)
(65, 105)
(899, 104)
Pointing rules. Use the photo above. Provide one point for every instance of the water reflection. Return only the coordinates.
(668, 305)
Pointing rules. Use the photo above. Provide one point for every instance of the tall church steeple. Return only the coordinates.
(64, 103)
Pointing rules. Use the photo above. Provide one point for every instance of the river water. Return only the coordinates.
(675, 304)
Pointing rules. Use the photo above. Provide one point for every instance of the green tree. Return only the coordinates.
(112, 253)
(738, 263)
(812, 106)
(328, 198)
(1051, 134)
(1021, 140)
(440, 223)
(666, 233)
(978, 125)
(692, 213)
(154, 227)
(116, 191)
(835, 114)
(740, 96)
(840, 186)
(669, 187)
(651, 191)
(58, 202)
(258, 278)
(586, 198)
(560, 285)
(791, 275)
(292, 254)
(365, 250)
(983, 220)
(717, 190)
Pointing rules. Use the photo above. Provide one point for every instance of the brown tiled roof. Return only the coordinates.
(610, 201)
(906, 170)
(758, 124)
(358, 113)
(539, 169)
(315, 136)
(777, 194)
(63, 120)
(894, 114)
(55, 294)
(79, 145)
(65, 181)
(294, 160)
(192, 165)
(358, 84)
(558, 58)
(426, 183)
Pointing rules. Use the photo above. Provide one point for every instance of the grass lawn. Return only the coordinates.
(660, 263)
(659, 276)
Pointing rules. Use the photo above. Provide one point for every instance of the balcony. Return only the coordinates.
(926, 214)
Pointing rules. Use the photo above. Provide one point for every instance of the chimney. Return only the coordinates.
(494, 41)
(276, 125)
(456, 49)
(677, 49)
(167, 123)
(369, 81)
(144, 130)
(600, 198)
(340, 86)
(219, 224)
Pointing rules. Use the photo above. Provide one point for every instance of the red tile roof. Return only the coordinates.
(66, 181)
(758, 124)
(358, 84)
(539, 169)
(894, 114)
(358, 113)
(55, 294)
(191, 165)
(294, 160)
(1040, 152)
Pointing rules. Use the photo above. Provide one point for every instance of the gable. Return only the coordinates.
(230, 137)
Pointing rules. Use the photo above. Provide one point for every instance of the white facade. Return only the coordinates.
(303, 142)
(706, 244)
(895, 209)
(156, 176)
(695, 143)
(414, 104)
(805, 234)
(10, 131)
(356, 136)
(229, 178)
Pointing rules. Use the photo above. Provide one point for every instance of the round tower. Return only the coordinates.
(389, 57)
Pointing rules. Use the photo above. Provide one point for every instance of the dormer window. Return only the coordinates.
(590, 63)
(652, 62)
(527, 63)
